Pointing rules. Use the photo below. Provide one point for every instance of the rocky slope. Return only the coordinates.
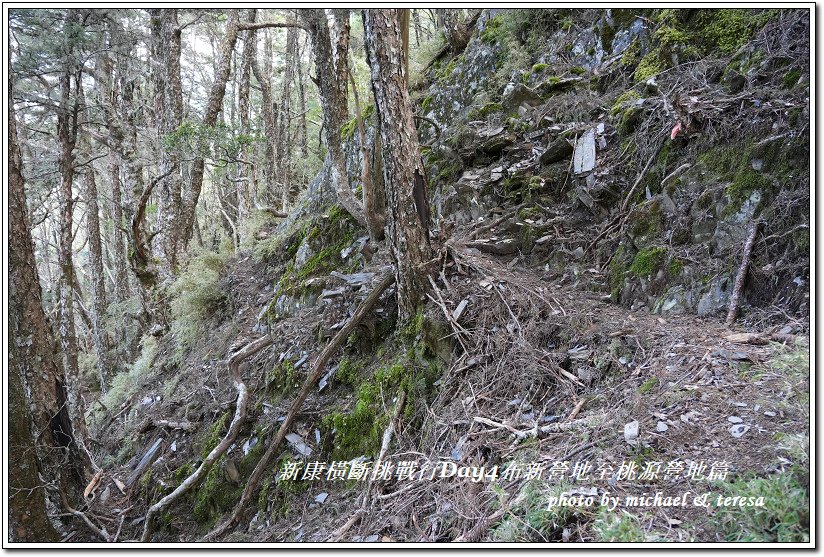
(594, 175)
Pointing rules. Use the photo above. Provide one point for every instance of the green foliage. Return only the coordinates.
(538, 68)
(648, 261)
(617, 527)
(223, 142)
(648, 385)
(196, 295)
(533, 520)
(215, 434)
(790, 79)
(784, 518)
(350, 372)
(125, 383)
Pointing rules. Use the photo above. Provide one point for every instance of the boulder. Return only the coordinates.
(517, 94)
(558, 150)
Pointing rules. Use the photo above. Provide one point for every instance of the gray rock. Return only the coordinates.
(738, 430)
(558, 150)
(735, 420)
(517, 94)
(661, 427)
(584, 157)
(631, 431)
(495, 145)
(554, 85)
(716, 298)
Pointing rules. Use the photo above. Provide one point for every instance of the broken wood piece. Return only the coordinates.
(747, 338)
(92, 484)
(148, 458)
(503, 247)
(150, 423)
(460, 309)
(738, 289)
(576, 409)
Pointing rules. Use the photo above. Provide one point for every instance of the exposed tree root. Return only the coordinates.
(735, 298)
(234, 428)
(315, 375)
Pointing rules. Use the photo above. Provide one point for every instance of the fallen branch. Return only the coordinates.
(316, 373)
(234, 428)
(735, 298)
(104, 535)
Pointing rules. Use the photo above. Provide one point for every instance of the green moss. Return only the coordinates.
(490, 108)
(350, 372)
(648, 385)
(215, 434)
(577, 70)
(426, 102)
(647, 221)
(649, 66)
(538, 68)
(648, 261)
(216, 496)
(675, 268)
(746, 182)
(632, 54)
(284, 378)
(616, 271)
(790, 79)
(728, 29)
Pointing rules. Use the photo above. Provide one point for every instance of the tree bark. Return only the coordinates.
(97, 278)
(264, 79)
(41, 427)
(284, 150)
(213, 107)
(333, 99)
(67, 118)
(246, 188)
(404, 177)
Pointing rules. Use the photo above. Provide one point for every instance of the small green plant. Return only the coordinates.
(648, 261)
(783, 518)
(648, 385)
(533, 519)
(196, 295)
(617, 526)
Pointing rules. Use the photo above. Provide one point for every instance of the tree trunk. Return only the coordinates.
(303, 140)
(67, 115)
(171, 116)
(41, 427)
(284, 133)
(246, 188)
(213, 107)
(404, 177)
(264, 79)
(28, 521)
(97, 278)
(333, 99)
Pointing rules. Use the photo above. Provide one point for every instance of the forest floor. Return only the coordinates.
(544, 373)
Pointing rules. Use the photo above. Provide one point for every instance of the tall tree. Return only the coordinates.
(264, 79)
(214, 105)
(332, 62)
(67, 129)
(404, 177)
(41, 431)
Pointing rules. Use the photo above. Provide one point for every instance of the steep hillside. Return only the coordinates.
(594, 177)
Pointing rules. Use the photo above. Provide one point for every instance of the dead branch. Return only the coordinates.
(737, 290)
(316, 373)
(234, 428)
(476, 532)
(99, 531)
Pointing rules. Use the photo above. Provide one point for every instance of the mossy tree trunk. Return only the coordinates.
(404, 177)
